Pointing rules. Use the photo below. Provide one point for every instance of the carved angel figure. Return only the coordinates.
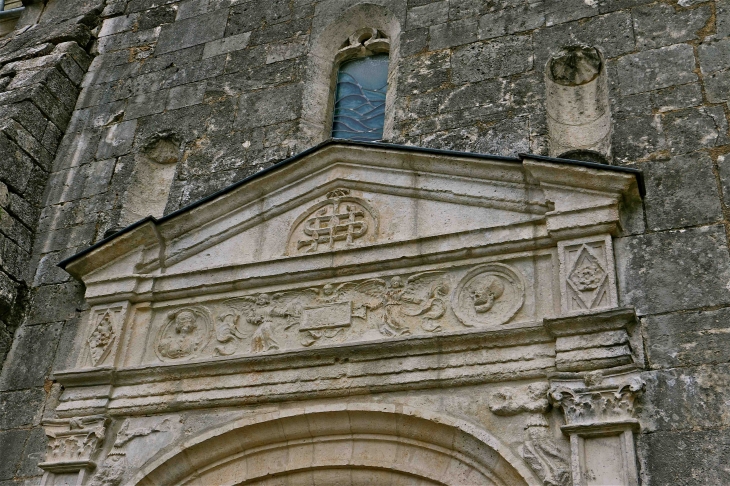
(260, 311)
(425, 290)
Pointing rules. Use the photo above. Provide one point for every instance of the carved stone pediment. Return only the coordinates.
(424, 260)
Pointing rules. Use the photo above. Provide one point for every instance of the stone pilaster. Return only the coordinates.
(600, 421)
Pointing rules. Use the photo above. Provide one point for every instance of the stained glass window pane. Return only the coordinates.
(360, 99)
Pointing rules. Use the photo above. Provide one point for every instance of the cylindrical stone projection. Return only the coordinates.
(578, 112)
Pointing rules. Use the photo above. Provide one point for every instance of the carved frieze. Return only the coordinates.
(428, 302)
(340, 221)
(72, 443)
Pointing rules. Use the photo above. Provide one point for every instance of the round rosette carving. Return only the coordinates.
(489, 295)
(185, 333)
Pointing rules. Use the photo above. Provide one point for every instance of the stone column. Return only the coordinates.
(72, 446)
(600, 421)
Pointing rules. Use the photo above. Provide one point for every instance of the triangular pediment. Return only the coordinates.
(346, 204)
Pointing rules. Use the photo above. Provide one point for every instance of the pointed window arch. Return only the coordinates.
(362, 84)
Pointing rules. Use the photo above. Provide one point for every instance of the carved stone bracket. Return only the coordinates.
(600, 421)
(73, 443)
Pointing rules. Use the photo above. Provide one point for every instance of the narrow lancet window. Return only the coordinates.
(362, 83)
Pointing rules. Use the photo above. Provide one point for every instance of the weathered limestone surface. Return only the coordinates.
(224, 81)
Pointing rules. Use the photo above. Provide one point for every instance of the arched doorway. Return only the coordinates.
(340, 446)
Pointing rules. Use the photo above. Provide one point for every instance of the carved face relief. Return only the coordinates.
(340, 221)
(489, 295)
(187, 331)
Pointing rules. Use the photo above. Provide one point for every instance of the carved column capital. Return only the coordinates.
(600, 404)
(72, 443)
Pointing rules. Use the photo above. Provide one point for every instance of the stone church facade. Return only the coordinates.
(510, 268)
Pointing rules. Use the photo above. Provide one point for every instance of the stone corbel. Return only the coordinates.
(600, 421)
(72, 447)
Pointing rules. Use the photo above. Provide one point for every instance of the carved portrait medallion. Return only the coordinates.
(489, 295)
(185, 333)
(340, 221)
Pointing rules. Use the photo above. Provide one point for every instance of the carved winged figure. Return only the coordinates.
(421, 295)
(260, 311)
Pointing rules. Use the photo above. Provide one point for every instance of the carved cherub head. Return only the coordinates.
(328, 289)
(396, 283)
(263, 299)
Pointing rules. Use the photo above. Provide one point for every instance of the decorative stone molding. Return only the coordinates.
(600, 419)
(73, 443)
(185, 333)
(596, 341)
(489, 294)
(340, 221)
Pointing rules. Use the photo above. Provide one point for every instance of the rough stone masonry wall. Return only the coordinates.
(41, 69)
(223, 80)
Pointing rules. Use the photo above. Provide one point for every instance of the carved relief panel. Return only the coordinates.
(436, 300)
(587, 276)
(340, 221)
(104, 325)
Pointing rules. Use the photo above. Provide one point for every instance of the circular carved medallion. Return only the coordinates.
(489, 295)
(186, 332)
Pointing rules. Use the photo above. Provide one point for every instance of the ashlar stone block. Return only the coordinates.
(657, 68)
(681, 192)
(673, 270)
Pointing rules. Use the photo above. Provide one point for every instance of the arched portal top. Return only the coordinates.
(347, 443)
